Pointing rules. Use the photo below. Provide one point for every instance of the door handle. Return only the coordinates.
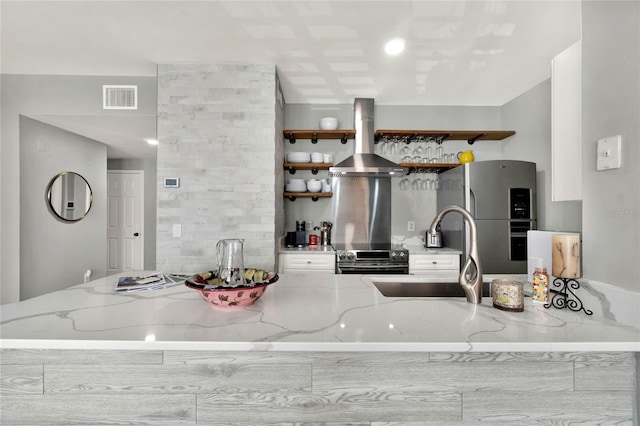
(136, 234)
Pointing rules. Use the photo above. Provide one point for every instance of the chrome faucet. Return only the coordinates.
(471, 274)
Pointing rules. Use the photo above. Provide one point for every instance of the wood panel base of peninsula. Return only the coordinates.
(47, 386)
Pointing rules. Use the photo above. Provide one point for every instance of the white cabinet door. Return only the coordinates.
(430, 263)
(290, 262)
(566, 124)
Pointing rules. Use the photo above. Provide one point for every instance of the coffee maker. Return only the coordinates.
(297, 238)
(301, 233)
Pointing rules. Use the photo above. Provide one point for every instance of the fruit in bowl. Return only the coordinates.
(212, 290)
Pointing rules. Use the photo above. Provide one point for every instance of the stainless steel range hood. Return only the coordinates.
(364, 162)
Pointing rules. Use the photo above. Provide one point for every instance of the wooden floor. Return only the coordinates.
(68, 387)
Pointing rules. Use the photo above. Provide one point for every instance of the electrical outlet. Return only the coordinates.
(177, 230)
(411, 225)
(309, 225)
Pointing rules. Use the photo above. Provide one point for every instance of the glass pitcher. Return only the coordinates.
(230, 262)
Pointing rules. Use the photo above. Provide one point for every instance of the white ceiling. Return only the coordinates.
(457, 52)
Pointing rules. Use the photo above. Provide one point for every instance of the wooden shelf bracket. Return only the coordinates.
(472, 140)
(443, 138)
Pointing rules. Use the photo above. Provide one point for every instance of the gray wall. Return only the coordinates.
(31, 95)
(611, 106)
(150, 196)
(530, 115)
(217, 133)
(55, 254)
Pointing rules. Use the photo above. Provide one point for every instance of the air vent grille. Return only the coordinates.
(119, 97)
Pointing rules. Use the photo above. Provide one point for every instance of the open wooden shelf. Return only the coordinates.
(428, 167)
(313, 195)
(315, 135)
(314, 167)
(440, 136)
(407, 136)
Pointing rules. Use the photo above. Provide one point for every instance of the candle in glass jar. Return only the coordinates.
(507, 294)
(565, 255)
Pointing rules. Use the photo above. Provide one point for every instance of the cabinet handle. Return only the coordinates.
(434, 262)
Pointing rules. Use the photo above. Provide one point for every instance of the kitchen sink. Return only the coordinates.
(402, 288)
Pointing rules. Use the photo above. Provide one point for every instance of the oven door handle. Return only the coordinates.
(376, 266)
(372, 270)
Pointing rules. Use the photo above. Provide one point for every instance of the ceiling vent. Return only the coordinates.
(119, 97)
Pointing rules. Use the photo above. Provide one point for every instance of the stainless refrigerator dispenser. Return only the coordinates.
(501, 196)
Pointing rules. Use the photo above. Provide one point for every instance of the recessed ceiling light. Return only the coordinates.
(394, 47)
(152, 141)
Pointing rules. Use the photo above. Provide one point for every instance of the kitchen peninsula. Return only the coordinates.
(316, 347)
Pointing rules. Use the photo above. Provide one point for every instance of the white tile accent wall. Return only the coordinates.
(220, 132)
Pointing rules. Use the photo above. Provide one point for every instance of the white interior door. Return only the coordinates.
(125, 220)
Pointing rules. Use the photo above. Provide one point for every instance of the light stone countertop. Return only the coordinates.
(317, 249)
(301, 312)
(419, 249)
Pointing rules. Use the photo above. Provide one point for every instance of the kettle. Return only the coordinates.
(230, 262)
(433, 239)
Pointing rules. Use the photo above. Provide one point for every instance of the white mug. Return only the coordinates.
(328, 158)
(326, 185)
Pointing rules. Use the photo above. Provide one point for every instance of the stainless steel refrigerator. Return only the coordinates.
(501, 196)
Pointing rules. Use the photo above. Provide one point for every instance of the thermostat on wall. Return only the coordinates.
(171, 182)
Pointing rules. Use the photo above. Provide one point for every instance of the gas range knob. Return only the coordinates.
(342, 255)
(351, 256)
(394, 255)
(402, 255)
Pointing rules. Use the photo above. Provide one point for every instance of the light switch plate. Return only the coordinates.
(609, 154)
(177, 230)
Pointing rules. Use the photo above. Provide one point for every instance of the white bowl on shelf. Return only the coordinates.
(296, 188)
(298, 157)
(328, 123)
(314, 186)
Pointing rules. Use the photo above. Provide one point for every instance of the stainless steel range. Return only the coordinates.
(361, 205)
(371, 259)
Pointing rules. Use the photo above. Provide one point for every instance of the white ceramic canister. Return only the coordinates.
(326, 185)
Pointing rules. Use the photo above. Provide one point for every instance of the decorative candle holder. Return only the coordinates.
(565, 258)
(562, 289)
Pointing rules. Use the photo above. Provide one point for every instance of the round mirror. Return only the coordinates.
(69, 196)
